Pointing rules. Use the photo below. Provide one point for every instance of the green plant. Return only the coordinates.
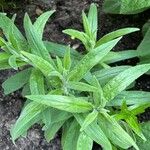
(81, 94)
(125, 6)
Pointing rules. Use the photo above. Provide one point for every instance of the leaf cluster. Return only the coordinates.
(80, 94)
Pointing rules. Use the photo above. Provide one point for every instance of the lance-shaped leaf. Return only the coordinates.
(122, 80)
(131, 118)
(36, 82)
(115, 132)
(70, 135)
(115, 34)
(36, 44)
(81, 86)
(84, 142)
(94, 132)
(89, 119)
(43, 65)
(90, 60)
(146, 130)
(40, 22)
(16, 81)
(125, 6)
(92, 18)
(66, 103)
(79, 35)
(67, 59)
(86, 24)
(131, 97)
(28, 117)
(5, 24)
(60, 49)
(13, 62)
(52, 130)
(104, 75)
(113, 57)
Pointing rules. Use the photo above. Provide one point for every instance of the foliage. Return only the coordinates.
(125, 6)
(81, 94)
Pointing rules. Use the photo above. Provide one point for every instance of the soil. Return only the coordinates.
(68, 15)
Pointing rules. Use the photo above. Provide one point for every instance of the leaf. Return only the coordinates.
(94, 132)
(36, 82)
(52, 130)
(90, 60)
(60, 49)
(66, 103)
(36, 44)
(5, 24)
(104, 75)
(16, 81)
(113, 57)
(115, 34)
(115, 133)
(86, 24)
(131, 97)
(12, 62)
(92, 18)
(79, 35)
(38, 62)
(122, 80)
(89, 119)
(145, 129)
(125, 6)
(84, 142)
(67, 59)
(39, 24)
(70, 136)
(28, 117)
(81, 86)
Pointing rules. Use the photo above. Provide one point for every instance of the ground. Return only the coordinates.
(68, 15)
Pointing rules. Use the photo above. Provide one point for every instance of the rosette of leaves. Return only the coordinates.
(63, 90)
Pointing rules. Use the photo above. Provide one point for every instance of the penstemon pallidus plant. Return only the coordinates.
(67, 90)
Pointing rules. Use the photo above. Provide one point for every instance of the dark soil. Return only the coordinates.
(68, 15)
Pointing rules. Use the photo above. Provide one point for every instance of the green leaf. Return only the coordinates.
(28, 117)
(104, 75)
(52, 130)
(38, 62)
(125, 6)
(90, 60)
(92, 18)
(94, 132)
(12, 62)
(84, 38)
(115, 132)
(60, 49)
(146, 130)
(66, 103)
(67, 59)
(16, 81)
(36, 44)
(86, 24)
(89, 119)
(5, 24)
(131, 97)
(115, 34)
(36, 82)
(70, 136)
(122, 80)
(84, 142)
(39, 24)
(81, 86)
(113, 57)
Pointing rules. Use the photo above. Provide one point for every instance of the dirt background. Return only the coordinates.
(68, 15)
